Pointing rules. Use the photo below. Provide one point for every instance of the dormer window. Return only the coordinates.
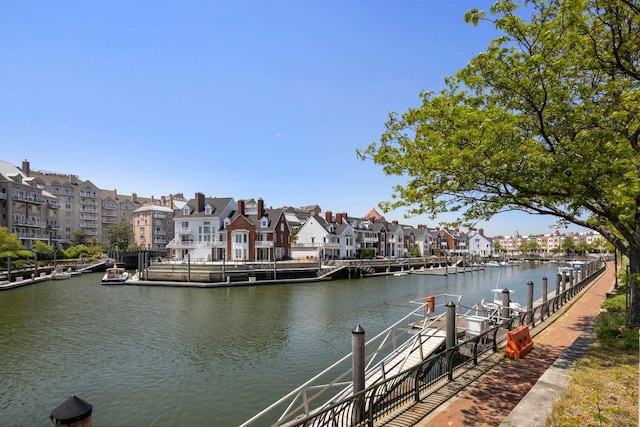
(185, 211)
(264, 222)
(226, 222)
(208, 210)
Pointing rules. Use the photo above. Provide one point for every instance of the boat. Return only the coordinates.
(566, 270)
(495, 264)
(436, 271)
(115, 276)
(60, 275)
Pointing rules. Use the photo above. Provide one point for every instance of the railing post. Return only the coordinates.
(559, 279)
(545, 292)
(506, 310)
(450, 323)
(358, 367)
(529, 319)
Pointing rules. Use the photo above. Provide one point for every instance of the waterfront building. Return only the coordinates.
(153, 227)
(423, 240)
(199, 228)
(84, 206)
(27, 209)
(325, 238)
(396, 240)
(479, 244)
(260, 236)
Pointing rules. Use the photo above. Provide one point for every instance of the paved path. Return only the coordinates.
(521, 392)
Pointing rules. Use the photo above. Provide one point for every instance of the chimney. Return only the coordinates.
(328, 217)
(241, 207)
(115, 194)
(422, 227)
(394, 222)
(134, 197)
(26, 169)
(199, 202)
(260, 208)
(163, 201)
(481, 231)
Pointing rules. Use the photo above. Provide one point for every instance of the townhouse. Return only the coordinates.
(257, 233)
(199, 228)
(325, 238)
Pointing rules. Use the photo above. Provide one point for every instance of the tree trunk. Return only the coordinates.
(634, 303)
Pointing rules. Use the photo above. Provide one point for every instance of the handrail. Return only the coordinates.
(409, 386)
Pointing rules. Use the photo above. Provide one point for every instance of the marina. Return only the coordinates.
(147, 355)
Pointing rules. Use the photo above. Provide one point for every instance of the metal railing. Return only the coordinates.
(398, 392)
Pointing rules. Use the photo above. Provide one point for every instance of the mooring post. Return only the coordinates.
(188, 267)
(506, 311)
(529, 302)
(147, 263)
(559, 280)
(450, 322)
(73, 412)
(35, 266)
(9, 268)
(358, 366)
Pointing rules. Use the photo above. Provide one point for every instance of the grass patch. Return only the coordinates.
(604, 385)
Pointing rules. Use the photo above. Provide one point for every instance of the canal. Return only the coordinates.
(157, 356)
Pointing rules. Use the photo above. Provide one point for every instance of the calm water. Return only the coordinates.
(146, 356)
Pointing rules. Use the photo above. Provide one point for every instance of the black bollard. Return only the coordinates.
(358, 368)
(73, 412)
(450, 324)
(544, 290)
(529, 302)
(506, 310)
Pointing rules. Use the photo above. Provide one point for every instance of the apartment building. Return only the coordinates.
(27, 209)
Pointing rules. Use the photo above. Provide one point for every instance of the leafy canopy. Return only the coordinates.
(546, 121)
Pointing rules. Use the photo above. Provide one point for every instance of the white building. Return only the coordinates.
(324, 238)
(199, 228)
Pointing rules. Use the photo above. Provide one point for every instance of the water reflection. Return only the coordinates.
(175, 356)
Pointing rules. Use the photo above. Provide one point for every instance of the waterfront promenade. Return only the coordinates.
(521, 392)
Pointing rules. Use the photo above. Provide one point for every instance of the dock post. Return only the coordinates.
(450, 322)
(73, 412)
(529, 302)
(358, 367)
(188, 267)
(506, 311)
(559, 279)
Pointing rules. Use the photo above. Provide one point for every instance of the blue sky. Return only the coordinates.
(240, 99)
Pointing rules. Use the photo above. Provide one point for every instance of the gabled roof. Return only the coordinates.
(217, 205)
(271, 215)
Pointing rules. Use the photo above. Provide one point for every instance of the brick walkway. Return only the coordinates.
(490, 399)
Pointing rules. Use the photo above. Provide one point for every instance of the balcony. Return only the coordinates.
(183, 230)
(85, 193)
(32, 198)
(260, 244)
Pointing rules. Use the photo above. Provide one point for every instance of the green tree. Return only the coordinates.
(119, 236)
(545, 121)
(43, 250)
(78, 237)
(10, 245)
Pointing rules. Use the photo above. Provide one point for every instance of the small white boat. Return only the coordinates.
(115, 276)
(60, 275)
(495, 264)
